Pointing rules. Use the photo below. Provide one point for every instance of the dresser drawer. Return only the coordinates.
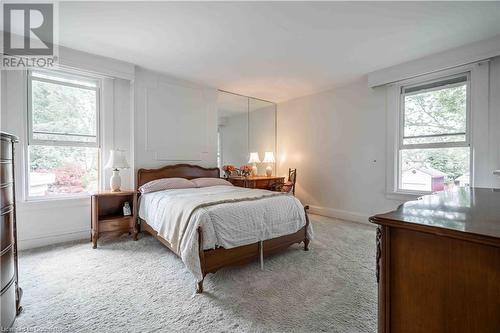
(8, 305)
(263, 184)
(6, 196)
(5, 149)
(6, 267)
(6, 174)
(6, 228)
(237, 182)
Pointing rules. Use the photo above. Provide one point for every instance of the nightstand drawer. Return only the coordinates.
(123, 223)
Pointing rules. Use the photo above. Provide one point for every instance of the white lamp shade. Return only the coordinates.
(254, 158)
(269, 157)
(117, 160)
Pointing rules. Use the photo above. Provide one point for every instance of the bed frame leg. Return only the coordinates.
(199, 287)
(306, 240)
(201, 253)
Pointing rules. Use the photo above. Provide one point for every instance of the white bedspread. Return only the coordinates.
(254, 215)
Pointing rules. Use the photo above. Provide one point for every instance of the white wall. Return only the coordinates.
(337, 141)
(175, 121)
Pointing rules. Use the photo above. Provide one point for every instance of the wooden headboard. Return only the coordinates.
(187, 171)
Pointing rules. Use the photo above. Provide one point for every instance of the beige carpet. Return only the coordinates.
(126, 286)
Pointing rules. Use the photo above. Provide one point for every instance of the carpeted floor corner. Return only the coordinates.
(126, 286)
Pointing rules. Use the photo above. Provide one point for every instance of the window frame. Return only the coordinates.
(31, 141)
(436, 145)
(97, 89)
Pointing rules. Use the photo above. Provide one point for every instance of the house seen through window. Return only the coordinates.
(63, 135)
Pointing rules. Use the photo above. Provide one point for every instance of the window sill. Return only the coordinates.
(54, 203)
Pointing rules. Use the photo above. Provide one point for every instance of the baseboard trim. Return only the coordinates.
(31, 243)
(340, 214)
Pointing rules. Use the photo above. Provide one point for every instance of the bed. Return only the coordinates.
(207, 256)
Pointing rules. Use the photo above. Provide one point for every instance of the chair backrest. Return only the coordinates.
(292, 177)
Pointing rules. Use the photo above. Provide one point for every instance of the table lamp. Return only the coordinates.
(269, 158)
(116, 161)
(254, 159)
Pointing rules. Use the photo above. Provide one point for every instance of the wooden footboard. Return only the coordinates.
(214, 259)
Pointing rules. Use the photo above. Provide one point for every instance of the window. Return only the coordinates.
(63, 134)
(434, 147)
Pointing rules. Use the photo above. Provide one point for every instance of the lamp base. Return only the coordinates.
(115, 182)
(269, 171)
(254, 170)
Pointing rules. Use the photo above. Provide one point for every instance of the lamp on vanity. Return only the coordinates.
(116, 162)
(254, 159)
(269, 158)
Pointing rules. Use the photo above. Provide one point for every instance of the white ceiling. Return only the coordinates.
(273, 50)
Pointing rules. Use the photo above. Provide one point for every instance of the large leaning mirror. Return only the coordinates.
(246, 125)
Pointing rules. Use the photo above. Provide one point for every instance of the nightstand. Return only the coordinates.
(107, 215)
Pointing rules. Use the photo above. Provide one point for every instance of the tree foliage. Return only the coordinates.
(64, 110)
(441, 113)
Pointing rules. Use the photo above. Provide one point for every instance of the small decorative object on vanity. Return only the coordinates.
(116, 162)
(228, 170)
(246, 170)
(269, 159)
(113, 215)
(254, 159)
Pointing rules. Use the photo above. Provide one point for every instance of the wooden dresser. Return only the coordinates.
(262, 182)
(438, 263)
(10, 292)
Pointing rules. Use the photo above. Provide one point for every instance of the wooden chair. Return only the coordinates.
(289, 185)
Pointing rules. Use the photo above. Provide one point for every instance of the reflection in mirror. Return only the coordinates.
(246, 125)
(262, 131)
(232, 129)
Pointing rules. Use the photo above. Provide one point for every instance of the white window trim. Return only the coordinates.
(30, 140)
(478, 118)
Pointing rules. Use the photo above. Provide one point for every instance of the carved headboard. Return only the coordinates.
(187, 171)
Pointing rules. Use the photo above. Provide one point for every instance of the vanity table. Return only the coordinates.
(261, 182)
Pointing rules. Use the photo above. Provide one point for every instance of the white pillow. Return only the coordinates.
(166, 184)
(206, 182)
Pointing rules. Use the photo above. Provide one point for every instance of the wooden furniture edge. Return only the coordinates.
(164, 172)
(462, 235)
